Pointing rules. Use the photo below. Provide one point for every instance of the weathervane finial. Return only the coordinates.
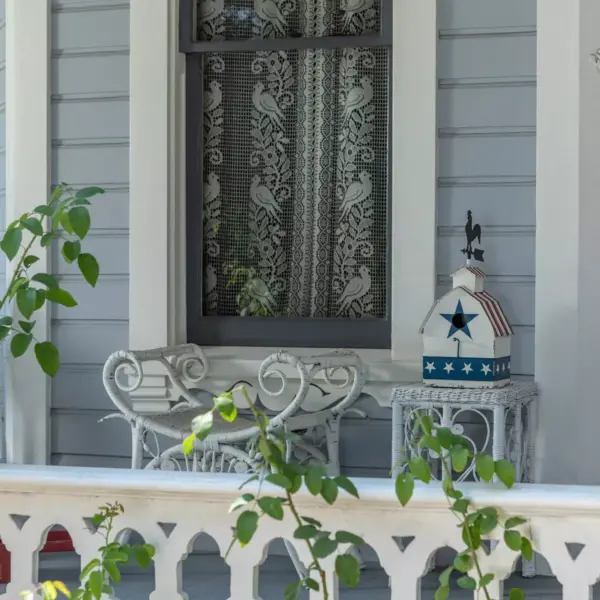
(473, 233)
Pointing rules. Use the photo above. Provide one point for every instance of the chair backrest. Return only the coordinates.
(186, 366)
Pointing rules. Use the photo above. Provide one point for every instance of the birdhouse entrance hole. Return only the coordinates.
(459, 321)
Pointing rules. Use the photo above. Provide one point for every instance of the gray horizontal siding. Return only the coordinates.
(487, 154)
(90, 145)
(486, 119)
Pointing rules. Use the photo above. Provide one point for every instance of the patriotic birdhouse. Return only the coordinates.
(466, 336)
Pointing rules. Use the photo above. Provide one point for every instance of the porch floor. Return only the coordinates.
(206, 576)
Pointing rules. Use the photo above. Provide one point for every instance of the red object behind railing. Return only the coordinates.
(57, 541)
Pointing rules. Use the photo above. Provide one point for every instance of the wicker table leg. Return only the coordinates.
(397, 438)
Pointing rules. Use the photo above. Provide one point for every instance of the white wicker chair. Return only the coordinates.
(230, 446)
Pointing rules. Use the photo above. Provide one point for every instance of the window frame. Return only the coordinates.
(157, 188)
(304, 332)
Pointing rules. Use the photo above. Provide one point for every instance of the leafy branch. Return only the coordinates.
(289, 477)
(66, 218)
(454, 453)
(96, 576)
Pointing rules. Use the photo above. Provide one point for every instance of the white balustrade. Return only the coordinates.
(33, 499)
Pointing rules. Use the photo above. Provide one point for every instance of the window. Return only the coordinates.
(288, 115)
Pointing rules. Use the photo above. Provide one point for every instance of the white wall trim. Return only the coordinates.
(27, 394)
(567, 240)
(157, 199)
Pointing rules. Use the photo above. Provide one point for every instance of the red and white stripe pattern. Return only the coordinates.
(494, 313)
(476, 271)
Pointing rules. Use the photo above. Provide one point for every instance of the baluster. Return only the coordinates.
(23, 545)
(333, 587)
(168, 569)
(244, 574)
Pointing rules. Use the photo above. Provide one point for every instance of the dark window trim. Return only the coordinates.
(265, 331)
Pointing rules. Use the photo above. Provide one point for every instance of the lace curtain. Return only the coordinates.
(295, 163)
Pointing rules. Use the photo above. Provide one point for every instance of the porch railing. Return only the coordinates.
(34, 499)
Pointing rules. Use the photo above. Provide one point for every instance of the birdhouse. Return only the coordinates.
(466, 336)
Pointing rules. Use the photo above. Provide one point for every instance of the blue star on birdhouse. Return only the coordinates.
(459, 320)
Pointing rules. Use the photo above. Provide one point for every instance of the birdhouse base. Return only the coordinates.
(466, 372)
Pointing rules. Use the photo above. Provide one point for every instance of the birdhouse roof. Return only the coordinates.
(475, 270)
(491, 307)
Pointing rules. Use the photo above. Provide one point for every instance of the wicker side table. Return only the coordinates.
(508, 416)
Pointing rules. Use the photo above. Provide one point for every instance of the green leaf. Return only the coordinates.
(428, 441)
(489, 520)
(241, 501)
(272, 507)
(311, 521)
(48, 357)
(88, 192)
(65, 222)
(345, 537)
(112, 570)
(347, 569)
(467, 583)
(80, 220)
(71, 250)
(141, 555)
(486, 580)
(329, 491)
(246, 526)
(30, 260)
(95, 584)
(45, 279)
(6, 321)
(445, 437)
(347, 486)
(43, 209)
(188, 444)
(463, 562)
(306, 532)
(202, 425)
(314, 479)
(442, 593)
(60, 296)
(461, 506)
(19, 283)
(279, 480)
(516, 594)
(526, 548)
(484, 464)
(47, 239)
(311, 584)
(513, 540)
(324, 546)
(227, 409)
(32, 224)
(506, 472)
(471, 536)
(19, 344)
(460, 458)
(292, 591)
(11, 242)
(150, 549)
(514, 522)
(85, 572)
(4, 332)
(87, 595)
(405, 485)
(40, 298)
(26, 298)
(444, 578)
(426, 423)
(420, 469)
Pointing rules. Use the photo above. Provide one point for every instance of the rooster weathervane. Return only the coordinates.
(473, 233)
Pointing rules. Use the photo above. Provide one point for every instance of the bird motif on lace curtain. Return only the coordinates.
(213, 96)
(266, 104)
(357, 192)
(269, 11)
(212, 188)
(353, 7)
(355, 289)
(263, 197)
(358, 97)
(210, 279)
(209, 10)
